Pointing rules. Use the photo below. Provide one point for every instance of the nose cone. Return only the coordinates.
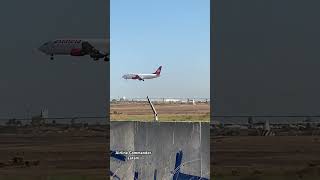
(125, 77)
(45, 48)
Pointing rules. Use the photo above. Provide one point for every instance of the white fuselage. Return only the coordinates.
(66, 46)
(142, 76)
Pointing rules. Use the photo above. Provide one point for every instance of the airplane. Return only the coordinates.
(96, 48)
(142, 77)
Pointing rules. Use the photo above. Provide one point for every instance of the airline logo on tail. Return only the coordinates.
(142, 77)
(158, 71)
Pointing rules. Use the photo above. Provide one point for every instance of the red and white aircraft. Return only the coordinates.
(142, 77)
(96, 48)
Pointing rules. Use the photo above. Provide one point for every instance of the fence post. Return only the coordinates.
(155, 115)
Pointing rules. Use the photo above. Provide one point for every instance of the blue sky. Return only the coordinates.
(146, 34)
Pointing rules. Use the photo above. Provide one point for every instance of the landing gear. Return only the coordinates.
(51, 57)
(106, 58)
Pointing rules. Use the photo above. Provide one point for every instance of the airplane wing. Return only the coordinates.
(138, 77)
(93, 52)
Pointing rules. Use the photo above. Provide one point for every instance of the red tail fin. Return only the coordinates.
(158, 71)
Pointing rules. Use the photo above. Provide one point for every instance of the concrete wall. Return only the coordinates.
(164, 140)
(121, 138)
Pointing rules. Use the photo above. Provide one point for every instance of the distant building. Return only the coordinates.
(172, 100)
(13, 122)
(37, 121)
(191, 101)
(45, 113)
(40, 119)
(123, 99)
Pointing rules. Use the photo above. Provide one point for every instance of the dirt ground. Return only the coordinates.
(54, 154)
(263, 157)
(144, 108)
(134, 111)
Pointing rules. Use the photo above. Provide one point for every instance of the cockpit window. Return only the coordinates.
(45, 43)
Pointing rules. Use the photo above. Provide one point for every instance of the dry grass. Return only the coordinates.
(166, 112)
(163, 117)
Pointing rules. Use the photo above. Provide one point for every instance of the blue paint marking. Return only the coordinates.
(117, 156)
(176, 176)
(177, 165)
(155, 175)
(114, 175)
(136, 175)
(181, 176)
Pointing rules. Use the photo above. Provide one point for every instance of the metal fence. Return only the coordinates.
(161, 99)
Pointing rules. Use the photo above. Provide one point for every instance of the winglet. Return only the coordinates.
(158, 71)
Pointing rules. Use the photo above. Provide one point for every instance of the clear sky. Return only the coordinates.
(146, 34)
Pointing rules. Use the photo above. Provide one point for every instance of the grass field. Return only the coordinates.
(166, 112)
